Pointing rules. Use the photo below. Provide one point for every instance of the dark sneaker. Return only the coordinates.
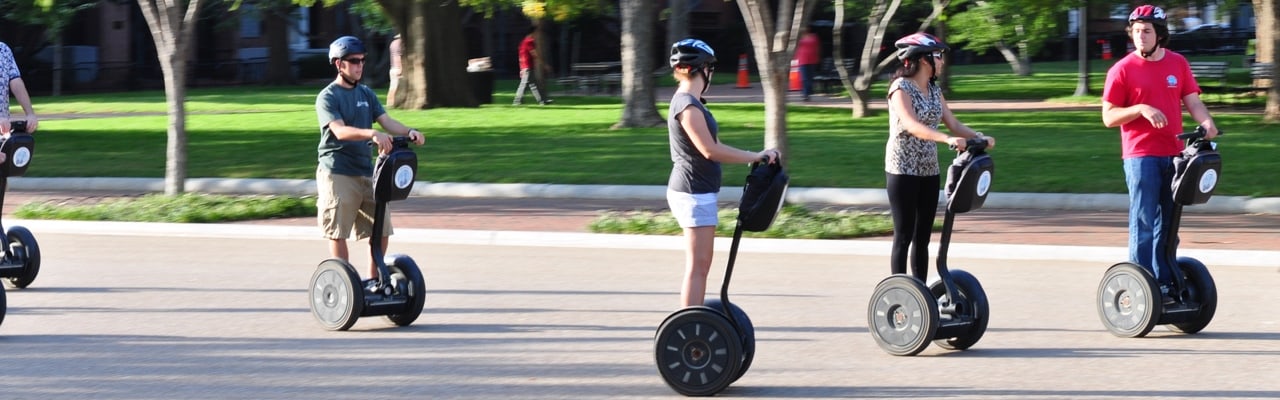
(547, 101)
(370, 285)
(1165, 297)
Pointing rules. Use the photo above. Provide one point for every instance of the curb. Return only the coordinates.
(837, 196)
(1098, 254)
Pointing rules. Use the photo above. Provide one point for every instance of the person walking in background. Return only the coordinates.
(347, 110)
(12, 83)
(696, 154)
(1144, 94)
(808, 55)
(396, 51)
(916, 107)
(530, 59)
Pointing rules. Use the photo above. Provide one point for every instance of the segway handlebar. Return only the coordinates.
(17, 127)
(1197, 134)
(973, 145)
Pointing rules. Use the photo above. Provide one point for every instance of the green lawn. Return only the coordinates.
(271, 132)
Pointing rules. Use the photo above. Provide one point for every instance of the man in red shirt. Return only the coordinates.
(1144, 95)
(808, 53)
(529, 60)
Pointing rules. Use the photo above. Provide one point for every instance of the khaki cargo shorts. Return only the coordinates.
(344, 202)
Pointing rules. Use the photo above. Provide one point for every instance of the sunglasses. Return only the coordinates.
(937, 55)
(354, 60)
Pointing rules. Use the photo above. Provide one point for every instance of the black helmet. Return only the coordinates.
(692, 53)
(918, 44)
(344, 46)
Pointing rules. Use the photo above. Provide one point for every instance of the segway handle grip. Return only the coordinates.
(974, 144)
(17, 127)
(1197, 134)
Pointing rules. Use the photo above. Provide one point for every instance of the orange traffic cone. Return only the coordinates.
(795, 76)
(744, 81)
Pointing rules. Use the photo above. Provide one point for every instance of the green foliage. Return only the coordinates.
(189, 207)
(793, 222)
(555, 10)
(987, 23)
(54, 15)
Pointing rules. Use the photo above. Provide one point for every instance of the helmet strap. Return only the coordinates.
(933, 68)
(706, 83)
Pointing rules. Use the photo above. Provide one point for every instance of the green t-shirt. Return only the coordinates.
(357, 107)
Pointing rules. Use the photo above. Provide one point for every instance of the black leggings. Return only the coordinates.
(913, 203)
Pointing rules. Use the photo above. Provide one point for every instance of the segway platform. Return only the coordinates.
(701, 350)
(905, 315)
(338, 296)
(1130, 301)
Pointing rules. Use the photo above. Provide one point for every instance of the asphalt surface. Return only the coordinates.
(159, 311)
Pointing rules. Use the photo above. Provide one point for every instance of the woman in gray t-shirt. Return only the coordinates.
(916, 106)
(696, 154)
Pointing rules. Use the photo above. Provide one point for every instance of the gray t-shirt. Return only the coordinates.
(357, 107)
(691, 172)
(906, 154)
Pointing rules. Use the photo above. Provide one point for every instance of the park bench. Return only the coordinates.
(1211, 76)
(827, 79)
(1260, 78)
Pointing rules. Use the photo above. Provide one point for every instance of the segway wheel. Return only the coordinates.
(903, 315)
(697, 351)
(1200, 290)
(3, 305)
(409, 282)
(336, 296)
(1129, 300)
(23, 248)
(748, 334)
(974, 308)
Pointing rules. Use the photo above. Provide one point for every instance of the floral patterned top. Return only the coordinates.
(906, 154)
(8, 72)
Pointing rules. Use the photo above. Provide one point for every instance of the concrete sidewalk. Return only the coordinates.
(535, 219)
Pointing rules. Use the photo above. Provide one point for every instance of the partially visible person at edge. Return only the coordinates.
(13, 84)
(916, 106)
(696, 154)
(1144, 95)
(808, 54)
(529, 60)
(396, 52)
(347, 110)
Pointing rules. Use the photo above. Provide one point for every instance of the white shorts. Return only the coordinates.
(693, 210)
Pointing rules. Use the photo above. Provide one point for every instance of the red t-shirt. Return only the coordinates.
(526, 52)
(1161, 84)
(807, 49)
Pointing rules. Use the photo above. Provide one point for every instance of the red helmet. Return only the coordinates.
(918, 44)
(1148, 13)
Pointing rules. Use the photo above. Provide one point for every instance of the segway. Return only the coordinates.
(21, 260)
(700, 350)
(903, 314)
(1129, 299)
(338, 297)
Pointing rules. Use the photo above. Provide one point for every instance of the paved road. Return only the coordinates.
(164, 314)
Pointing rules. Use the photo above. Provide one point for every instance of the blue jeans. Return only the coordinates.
(1150, 181)
(806, 79)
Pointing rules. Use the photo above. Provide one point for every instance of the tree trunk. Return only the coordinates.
(1082, 49)
(275, 25)
(1019, 65)
(677, 20)
(435, 54)
(638, 103)
(774, 43)
(173, 29)
(877, 23)
(1268, 32)
(57, 64)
